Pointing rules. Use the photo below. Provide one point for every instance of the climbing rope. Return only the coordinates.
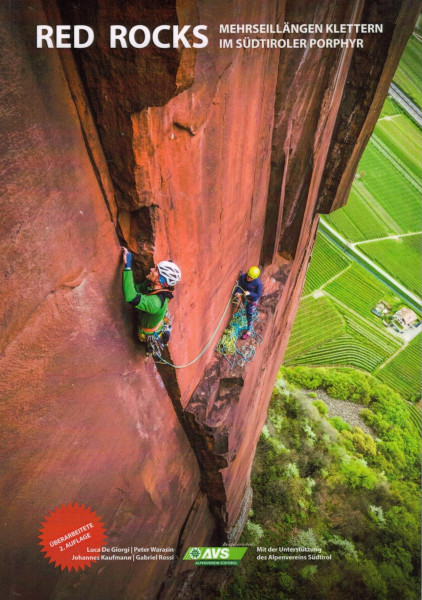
(227, 346)
(238, 324)
(205, 348)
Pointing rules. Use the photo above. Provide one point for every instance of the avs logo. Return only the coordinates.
(194, 553)
(212, 556)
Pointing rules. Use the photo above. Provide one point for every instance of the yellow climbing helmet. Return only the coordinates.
(254, 272)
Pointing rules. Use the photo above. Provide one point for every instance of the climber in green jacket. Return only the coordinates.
(151, 298)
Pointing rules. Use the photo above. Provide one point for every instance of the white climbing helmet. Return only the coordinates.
(170, 271)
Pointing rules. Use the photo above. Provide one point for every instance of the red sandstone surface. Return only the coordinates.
(215, 158)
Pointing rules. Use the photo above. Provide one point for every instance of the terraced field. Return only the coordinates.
(327, 261)
(407, 75)
(327, 334)
(382, 219)
(400, 257)
(403, 373)
(307, 332)
(335, 327)
(344, 351)
(416, 417)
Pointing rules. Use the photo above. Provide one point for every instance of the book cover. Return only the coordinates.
(211, 134)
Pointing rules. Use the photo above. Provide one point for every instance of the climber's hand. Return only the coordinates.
(127, 258)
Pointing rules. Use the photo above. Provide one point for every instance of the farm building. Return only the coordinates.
(381, 309)
(405, 317)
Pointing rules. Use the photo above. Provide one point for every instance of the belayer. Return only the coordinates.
(151, 298)
(251, 286)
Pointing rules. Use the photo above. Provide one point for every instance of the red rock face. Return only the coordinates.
(215, 158)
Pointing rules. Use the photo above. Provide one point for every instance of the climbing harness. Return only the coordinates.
(156, 341)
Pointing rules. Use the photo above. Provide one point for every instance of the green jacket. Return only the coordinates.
(151, 308)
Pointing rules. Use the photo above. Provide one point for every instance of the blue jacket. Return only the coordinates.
(254, 287)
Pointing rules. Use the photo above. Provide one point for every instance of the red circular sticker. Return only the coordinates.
(71, 536)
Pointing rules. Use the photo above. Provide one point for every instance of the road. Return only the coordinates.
(393, 236)
(405, 102)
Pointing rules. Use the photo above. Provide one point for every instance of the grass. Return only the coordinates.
(401, 257)
(407, 76)
(327, 261)
(403, 373)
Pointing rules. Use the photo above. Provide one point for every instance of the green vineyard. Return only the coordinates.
(326, 334)
(327, 261)
(403, 139)
(372, 334)
(335, 325)
(416, 417)
(340, 330)
(307, 332)
(384, 200)
(407, 76)
(391, 189)
(346, 351)
(390, 108)
(359, 290)
(360, 220)
(399, 257)
(403, 373)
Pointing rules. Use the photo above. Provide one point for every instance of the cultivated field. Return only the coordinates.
(402, 138)
(327, 333)
(334, 325)
(361, 219)
(403, 373)
(327, 262)
(391, 189)
(382, 219)
(385, 197)
(407, 76)
(359, 290)
(400, 257)
(384, 201)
